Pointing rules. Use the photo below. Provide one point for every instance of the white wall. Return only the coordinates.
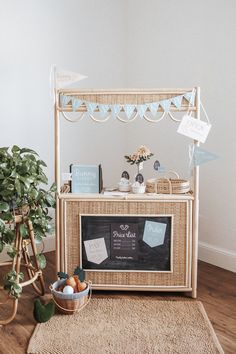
(184, 44)
(86, 36)
(132, 43)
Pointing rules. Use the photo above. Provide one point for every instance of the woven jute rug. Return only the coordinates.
(128, 326)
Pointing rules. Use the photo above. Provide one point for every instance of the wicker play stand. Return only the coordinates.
(169, 197)
(69, 304)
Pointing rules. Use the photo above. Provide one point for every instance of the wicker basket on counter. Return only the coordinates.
(168, 185)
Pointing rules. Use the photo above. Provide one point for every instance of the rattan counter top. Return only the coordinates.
(128, 197)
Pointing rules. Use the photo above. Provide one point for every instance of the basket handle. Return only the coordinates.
(85, 304)
(174, 173)
(169, 182)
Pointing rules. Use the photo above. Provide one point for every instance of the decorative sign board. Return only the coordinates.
(124, 241)
(154, 233)
(131, 242)
(96, 250)
(86, 178)
(194, 128)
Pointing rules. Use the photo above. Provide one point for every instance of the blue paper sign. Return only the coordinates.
(85, 178)
(154, 233)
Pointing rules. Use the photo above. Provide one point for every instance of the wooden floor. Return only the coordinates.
(216, 290)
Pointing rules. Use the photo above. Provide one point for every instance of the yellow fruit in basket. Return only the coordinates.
(71, 281)
(68, 289)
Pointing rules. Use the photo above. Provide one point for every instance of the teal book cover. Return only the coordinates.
(85, 178)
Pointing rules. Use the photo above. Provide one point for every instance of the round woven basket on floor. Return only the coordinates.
(70, 303)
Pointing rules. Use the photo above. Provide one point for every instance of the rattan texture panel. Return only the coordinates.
(179, 243)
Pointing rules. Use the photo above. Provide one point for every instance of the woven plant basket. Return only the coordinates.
(168, 185)
(70, 303)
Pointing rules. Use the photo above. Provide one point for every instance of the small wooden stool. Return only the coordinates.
(32, 266)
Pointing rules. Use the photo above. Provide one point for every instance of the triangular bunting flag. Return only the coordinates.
(129, 109)
(177, 101)
(200, 156)
(165, 104)
(103, 108)
(91, 106)
(115, 109)
(190, 96)
(141, 109)
(76, 103)
(153, 107)
(64, 100)
(64, 77)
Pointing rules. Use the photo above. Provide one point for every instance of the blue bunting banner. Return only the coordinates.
(129, 109)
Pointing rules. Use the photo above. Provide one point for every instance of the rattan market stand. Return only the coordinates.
(183, 207)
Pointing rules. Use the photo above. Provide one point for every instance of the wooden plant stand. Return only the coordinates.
(22, 258)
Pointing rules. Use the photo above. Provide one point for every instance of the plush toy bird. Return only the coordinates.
(43, 313)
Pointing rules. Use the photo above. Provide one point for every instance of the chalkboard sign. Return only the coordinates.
(126, 242)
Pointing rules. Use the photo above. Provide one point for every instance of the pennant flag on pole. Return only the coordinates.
(64, 77)
(199, 156)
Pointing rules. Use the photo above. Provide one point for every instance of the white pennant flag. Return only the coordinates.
(64, 78)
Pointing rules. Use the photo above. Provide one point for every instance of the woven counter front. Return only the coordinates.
(177, 279)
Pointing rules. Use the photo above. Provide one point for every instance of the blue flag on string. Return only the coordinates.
(76, 103)
(64, 100)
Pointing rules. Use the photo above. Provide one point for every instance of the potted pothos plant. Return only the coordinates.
(22, 193)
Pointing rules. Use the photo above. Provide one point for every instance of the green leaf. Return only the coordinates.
(2, 225)
(24, 150)
(10, 187)
(21, 276)
(9, 236)
(33, 193)
(53, 187)
(1, 246)
(6, 216)
(3, 150)
(18, 186)
(15, 148)
(62, 275)
(12, 252)
(41, 162)
(50, 199)
(41, 260)
(80, 272)
(23, 230)
(4, 206)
